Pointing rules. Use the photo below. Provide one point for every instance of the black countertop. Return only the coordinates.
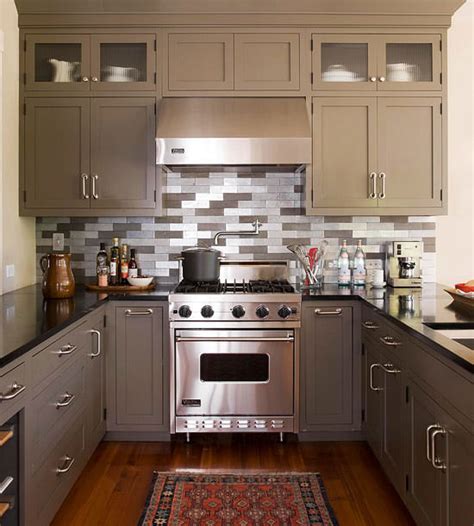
(28, 319)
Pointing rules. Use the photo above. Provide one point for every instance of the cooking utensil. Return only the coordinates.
(201, 264)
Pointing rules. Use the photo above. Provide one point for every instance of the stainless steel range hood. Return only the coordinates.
(233, 131)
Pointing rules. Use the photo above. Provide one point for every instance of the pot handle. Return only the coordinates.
(221, 258)
(179, 258)
(44, 263)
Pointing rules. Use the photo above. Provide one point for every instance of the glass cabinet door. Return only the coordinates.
(57, 62)
(344, 62)
(409, 62)
(123, 62)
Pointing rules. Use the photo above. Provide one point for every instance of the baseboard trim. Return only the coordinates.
(326, 436)
(136, 436)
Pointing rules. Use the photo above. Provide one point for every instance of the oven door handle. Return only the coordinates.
(233, 339)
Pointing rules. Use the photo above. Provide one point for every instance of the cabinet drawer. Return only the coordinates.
(52, 408)
(12, 387)
(62, 351)
(374, 326)
(57, 474)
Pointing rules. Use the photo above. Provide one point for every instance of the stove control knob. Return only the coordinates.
(185, 311)
(262, 311)
(284, 311)
(207, 311)
(238, 311)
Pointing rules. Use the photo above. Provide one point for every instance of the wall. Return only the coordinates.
(17, 240)
(455, 238)
(198, 204)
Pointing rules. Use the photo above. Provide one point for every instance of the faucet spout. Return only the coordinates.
(255, 232)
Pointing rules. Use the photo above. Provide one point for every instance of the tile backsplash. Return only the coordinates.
(197, 204)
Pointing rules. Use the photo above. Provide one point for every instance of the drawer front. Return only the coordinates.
(377, 328)
(52, 408)
(62, 351)
(12, 387)
(51, 483)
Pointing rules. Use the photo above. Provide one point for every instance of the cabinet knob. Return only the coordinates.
(373, 79)
(85, 79)
(95, 79)
(382, 79)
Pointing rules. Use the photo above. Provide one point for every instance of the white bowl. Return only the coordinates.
(140, 282)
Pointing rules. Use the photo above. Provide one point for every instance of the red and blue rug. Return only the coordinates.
(271, 499)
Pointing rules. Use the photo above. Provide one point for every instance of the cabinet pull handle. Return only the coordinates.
(428, 437)
(370, 325)
(335, 312)
(373, 185)
(390, 369)
(66, 349)
(99, 343)
(436, 462)
(15, 390)
(373, 79)
(371, 377)
(95, 178)
(390, 341)
(84, 178)
(85, 79)
(67, 465)
(146, 312)
(5, 484)
(382, 177)
(67, 400)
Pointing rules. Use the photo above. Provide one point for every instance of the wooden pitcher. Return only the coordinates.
(58, 279)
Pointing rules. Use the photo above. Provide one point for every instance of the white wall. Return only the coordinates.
(455, 232)
(17, 237)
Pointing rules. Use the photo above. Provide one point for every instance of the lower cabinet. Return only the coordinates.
(138, 396)
(329, 396)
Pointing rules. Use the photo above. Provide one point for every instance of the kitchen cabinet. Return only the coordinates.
(267, 61)
(97, 62)
(386, 153)
(138, 369)
(376, 62)
(89, 156)
(329, 400)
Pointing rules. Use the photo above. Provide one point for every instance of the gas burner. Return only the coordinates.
(260, 286)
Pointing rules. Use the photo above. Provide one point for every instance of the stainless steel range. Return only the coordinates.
(234, 352)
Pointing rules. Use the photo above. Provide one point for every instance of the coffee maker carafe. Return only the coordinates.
(404, 263)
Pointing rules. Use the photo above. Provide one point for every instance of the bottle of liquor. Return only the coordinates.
(115, 262)
(343, 266)
(102, 266)
(359, 272)
(132, 265)
(124, 264)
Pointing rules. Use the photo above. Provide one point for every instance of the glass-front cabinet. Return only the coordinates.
(90, 62)
(377, 62)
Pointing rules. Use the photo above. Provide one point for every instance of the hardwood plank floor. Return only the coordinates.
(112, 489)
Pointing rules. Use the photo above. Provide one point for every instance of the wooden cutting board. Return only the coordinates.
(120, 288)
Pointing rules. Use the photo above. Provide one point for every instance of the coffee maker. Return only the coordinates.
(404, 263)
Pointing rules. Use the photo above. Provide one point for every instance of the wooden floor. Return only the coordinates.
(112, 489)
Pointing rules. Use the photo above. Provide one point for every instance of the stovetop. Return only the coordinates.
(261, 286)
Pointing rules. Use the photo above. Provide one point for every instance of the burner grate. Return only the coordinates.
(235, 287)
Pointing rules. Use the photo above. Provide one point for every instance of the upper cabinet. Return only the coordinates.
(90, 62)
(233, 62)
(376, 62)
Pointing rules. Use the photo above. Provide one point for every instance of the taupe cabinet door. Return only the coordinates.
(327, 366)
(344, 151)
(123, 153)
(267, 61)
(57, 152)
(139, 365)
(409, 152)
(200, 61)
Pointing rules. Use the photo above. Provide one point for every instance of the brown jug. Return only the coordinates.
(58, 279)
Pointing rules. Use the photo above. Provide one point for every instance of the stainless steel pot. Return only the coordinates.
(201, 264)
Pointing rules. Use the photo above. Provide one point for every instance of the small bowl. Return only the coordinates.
(142, 281)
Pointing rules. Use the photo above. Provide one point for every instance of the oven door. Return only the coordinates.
(234, 372)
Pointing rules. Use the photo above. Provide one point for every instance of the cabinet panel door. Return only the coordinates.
(57, 159)
(267, 61)
(57, 62)
(123, 153)
(327, 365)
(374, 398)
(139, 365)
(409, 152)
(200, 61)
(344, 152)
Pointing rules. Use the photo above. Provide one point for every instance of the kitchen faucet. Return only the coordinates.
(255, 232)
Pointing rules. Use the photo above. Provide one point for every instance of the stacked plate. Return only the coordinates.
(338, 73)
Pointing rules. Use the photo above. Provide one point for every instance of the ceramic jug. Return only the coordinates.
(58, 279)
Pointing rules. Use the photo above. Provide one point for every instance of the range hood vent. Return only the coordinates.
(233, 131)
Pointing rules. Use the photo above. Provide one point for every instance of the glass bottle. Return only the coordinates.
(124, 264)
(359, 271)
(343, 266)
(115, 262)
(102, 266)
(132, 265)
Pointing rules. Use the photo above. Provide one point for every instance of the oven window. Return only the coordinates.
(227, 367)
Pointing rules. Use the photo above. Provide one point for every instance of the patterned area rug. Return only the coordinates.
(272, 499)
